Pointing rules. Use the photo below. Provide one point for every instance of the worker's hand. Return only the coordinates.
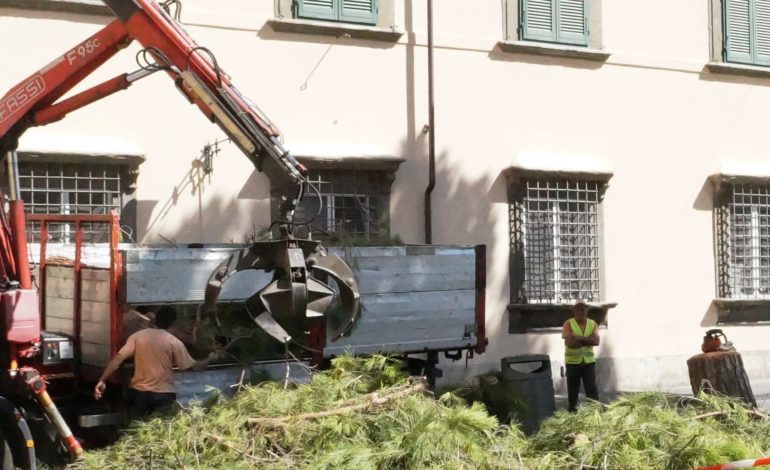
(216, 354)
(99, 389)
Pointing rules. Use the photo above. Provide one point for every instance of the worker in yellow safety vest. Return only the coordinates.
(580, 335)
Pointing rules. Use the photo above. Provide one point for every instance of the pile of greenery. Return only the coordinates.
(360, 414)
(365, 413)
(656, 431)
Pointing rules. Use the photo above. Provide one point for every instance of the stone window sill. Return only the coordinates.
(558, 50)
(92, 7)
(523, 318)
(285, 25)
(738, 69)
(742, 311)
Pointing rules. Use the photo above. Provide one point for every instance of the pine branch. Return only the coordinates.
(753, 413)
(221, 441)
(372, 400)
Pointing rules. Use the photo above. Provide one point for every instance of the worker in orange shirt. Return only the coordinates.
(580, 335)
(156, 352)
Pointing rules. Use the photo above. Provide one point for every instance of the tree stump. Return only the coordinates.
(724, 372)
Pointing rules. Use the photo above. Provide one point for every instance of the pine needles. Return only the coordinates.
(647, 430)
(364, 414)
(361, 414)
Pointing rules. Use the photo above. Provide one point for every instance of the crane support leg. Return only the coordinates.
(36, 384)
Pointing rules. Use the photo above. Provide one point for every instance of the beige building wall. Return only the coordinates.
(653, 113)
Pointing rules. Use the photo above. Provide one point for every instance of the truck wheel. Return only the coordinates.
(14, 436)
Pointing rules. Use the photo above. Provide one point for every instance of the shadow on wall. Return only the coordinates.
(217, 220)
(704, 201)
(192, 181)
(734, 76)
(214, 217)
(256, 187)
(498, 54)
(711, 316)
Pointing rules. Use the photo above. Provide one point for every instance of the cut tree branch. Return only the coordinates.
(373, 400)
(753, 413)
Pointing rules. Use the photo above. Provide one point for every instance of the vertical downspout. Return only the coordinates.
(432, 135)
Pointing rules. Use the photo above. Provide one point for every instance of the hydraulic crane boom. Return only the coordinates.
(192, 67)
(294, 295)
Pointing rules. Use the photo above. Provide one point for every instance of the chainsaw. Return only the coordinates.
(712, 342)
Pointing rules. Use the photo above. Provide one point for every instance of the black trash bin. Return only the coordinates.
(528, 378)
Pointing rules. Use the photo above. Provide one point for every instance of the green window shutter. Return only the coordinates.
(317, 9)
(738, 31)
(762, 31)
(359, 11)
(538, 20)
(571, 19)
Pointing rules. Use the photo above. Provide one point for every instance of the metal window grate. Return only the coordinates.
(355, 202)
(748, 243)
(57, 188)
(555, 234)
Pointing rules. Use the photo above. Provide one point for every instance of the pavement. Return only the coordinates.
(760, 388)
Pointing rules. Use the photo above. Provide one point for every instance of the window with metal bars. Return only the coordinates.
(59, 188)
(743, 241)
(355, 204)
(555, 240)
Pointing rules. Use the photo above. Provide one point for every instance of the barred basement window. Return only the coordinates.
(355, 204)
(743, 241)
(555, 240)
(58, 188)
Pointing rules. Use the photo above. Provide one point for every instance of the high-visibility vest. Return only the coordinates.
(584, 355)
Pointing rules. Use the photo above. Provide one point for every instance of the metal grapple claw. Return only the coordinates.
(339, 320)
(298, 291)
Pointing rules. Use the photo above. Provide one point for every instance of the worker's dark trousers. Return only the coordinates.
(577, 373)
(142, 403)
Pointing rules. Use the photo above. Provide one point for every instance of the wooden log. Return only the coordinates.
(721, 372)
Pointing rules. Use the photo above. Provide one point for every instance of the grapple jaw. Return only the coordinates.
(297, 293)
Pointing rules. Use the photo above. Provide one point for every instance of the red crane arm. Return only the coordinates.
(200, 78)
(193, 68)
(35, 100)
(44, 87)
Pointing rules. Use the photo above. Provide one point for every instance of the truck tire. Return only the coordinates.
(14, 436)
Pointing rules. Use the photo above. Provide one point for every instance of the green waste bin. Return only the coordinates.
(528, 378)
